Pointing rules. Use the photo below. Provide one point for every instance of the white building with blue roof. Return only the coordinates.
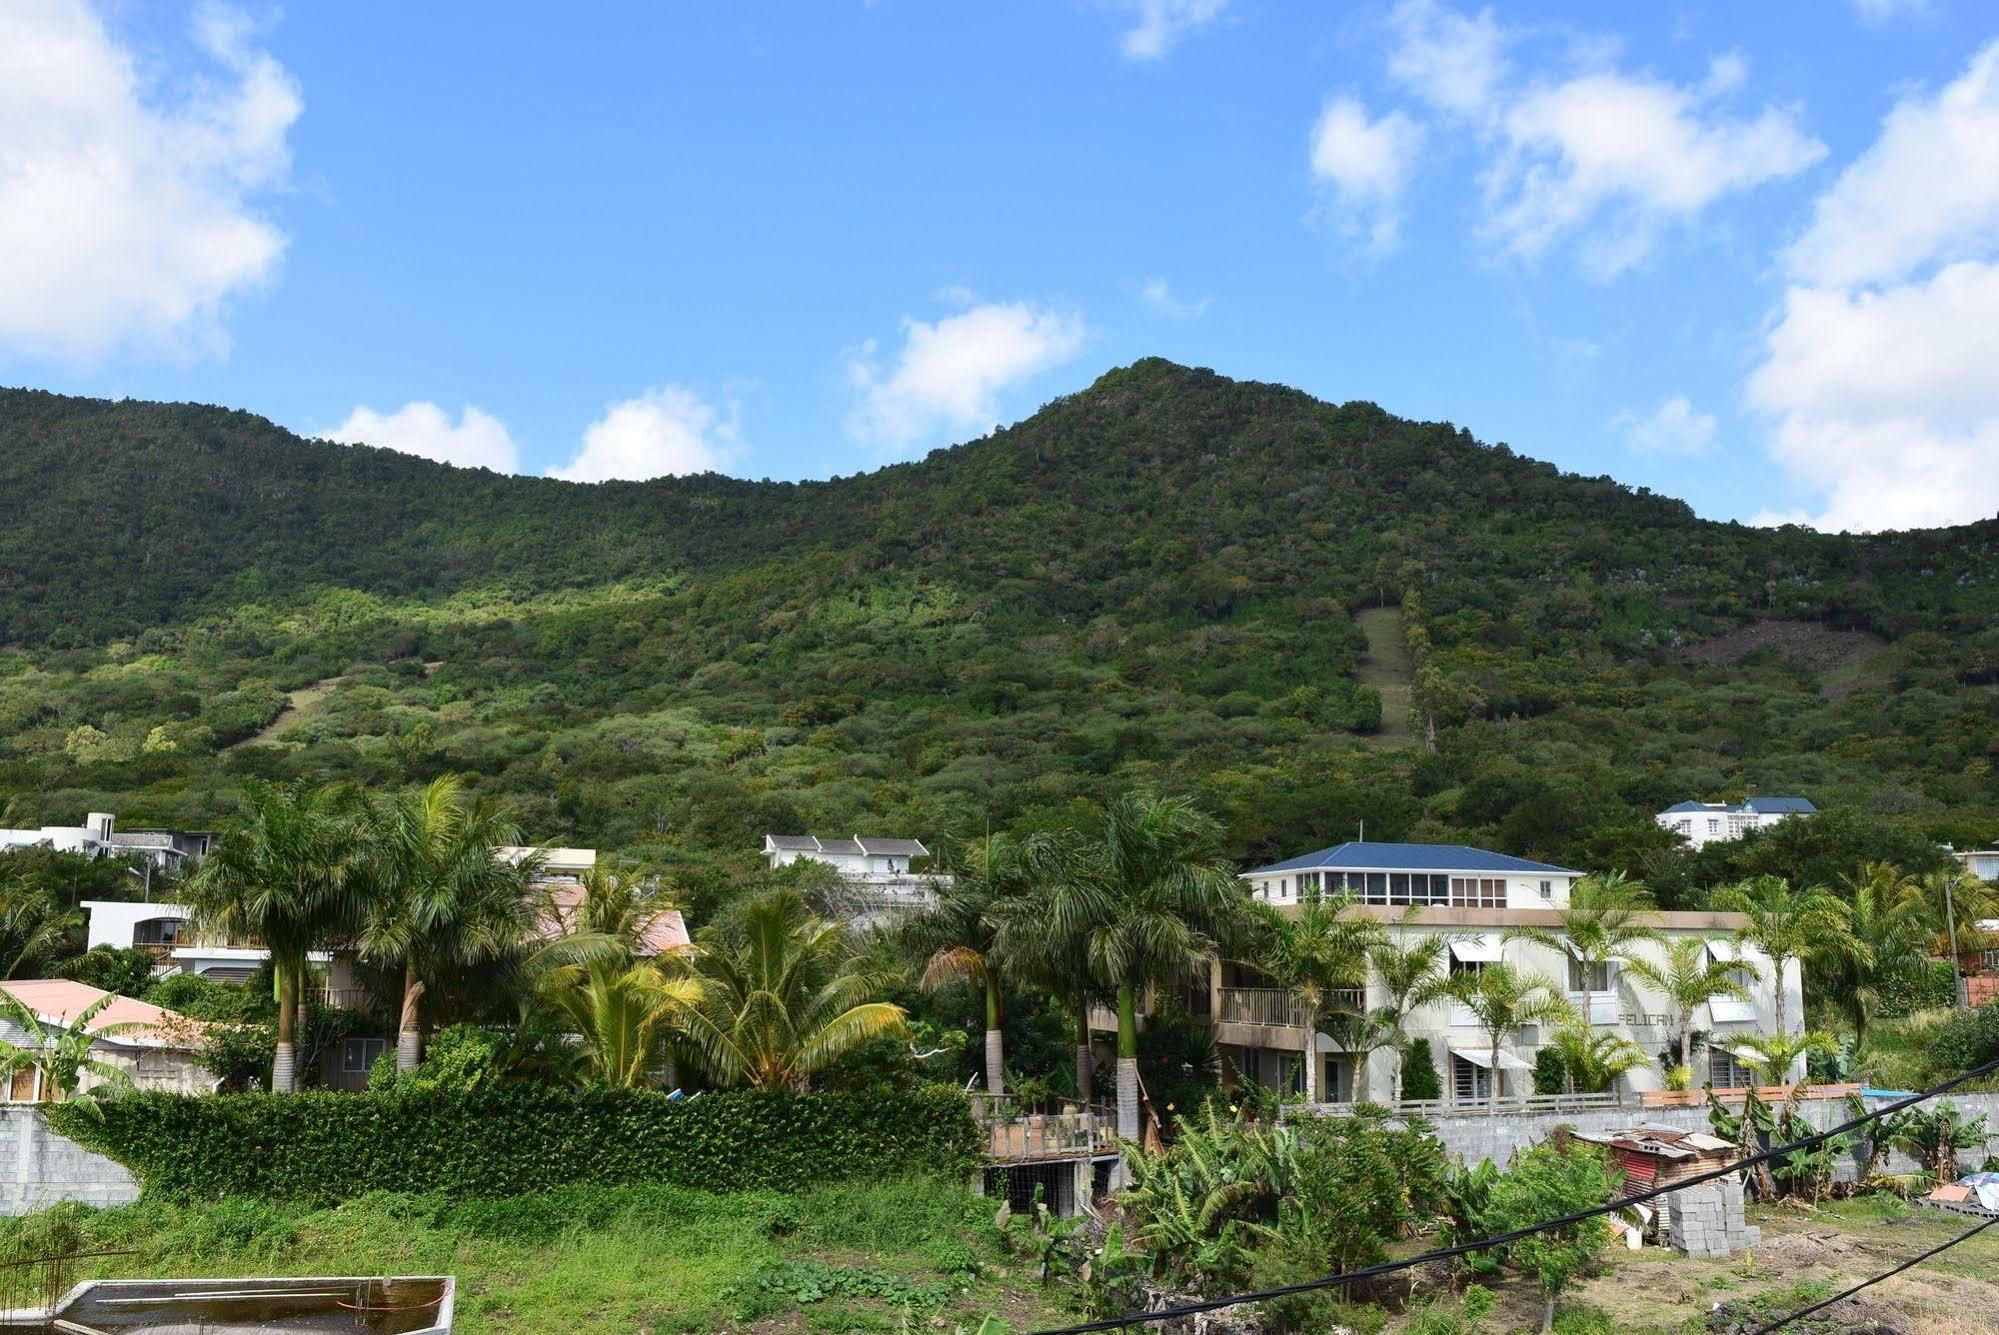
(1479, 900)
(1702, 823)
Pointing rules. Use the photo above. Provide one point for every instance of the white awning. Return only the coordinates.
(1742, 1054)
(1725, 951)
(1483, 1057)
(1477, 950)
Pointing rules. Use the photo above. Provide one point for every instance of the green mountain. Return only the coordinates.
(1168, 578)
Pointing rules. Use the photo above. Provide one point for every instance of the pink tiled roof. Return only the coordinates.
(666, 932)
(61, 1000)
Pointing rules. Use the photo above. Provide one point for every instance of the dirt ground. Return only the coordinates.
(1842, 660)
(1806, 1256)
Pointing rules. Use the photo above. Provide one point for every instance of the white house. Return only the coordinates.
(99, 836)
(1702, 823)
(157, 1051)
(1981, 862)
(163, 930)
(1475, 898)
(877, 869)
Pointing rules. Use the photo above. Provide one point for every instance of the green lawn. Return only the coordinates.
(905, 1255)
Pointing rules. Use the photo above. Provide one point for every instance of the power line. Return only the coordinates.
(1909, 1264)
(1501, 1239)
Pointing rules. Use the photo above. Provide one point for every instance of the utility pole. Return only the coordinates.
(1956, 962)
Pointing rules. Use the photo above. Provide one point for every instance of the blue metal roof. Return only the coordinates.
(1409, 857)
(1762, 806)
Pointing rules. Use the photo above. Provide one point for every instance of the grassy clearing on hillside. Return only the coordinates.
(298, 705)
(900, 1255)
(1388, 668)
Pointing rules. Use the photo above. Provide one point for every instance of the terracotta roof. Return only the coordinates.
(667, 931)
(61, 1000)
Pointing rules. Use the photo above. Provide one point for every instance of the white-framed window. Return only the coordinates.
(1724, 1071)
(1478, 892)
(1714, 825)
(1470, 1082)
(1684, 826)
(1547, 889)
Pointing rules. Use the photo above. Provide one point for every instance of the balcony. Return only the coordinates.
(1276, 1006)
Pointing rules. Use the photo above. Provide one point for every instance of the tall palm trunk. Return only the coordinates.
(1127, 1060)
(1312, 1063)
(409, 1036)
(284, 1062)
(995, 1046)
(1086, 1056)
(1492, 1074)
(1687, 1043)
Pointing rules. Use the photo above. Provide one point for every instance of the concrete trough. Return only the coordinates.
(325, 1305)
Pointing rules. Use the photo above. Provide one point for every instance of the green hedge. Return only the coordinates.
(324, 1147)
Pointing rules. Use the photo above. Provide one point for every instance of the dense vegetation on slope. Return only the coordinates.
(1149, 581)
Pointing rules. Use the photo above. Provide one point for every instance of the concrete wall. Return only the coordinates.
(39, 1168)
(1473, 1137)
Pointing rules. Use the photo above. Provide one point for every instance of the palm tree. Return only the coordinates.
(1501, 999)
(1887, 916)
(34, 925)
(443, 901)
(1787, 924)
(1412, 974)
(1149, 898)
(1314, 955)
(1770, 1057)
(1593, 1060)
(620, 1003)
(1604, 922)
(62, 1058)
(1951, 904)
(286, 876)
(782, 998)
(1688, 978)
(957, 937)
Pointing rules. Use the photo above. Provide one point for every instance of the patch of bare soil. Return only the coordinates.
(1839, 658)
(300, 703)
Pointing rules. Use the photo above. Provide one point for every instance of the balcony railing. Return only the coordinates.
(1275, 1006)
(1014, 1131)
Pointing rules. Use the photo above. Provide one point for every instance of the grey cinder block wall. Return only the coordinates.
(40, 1168)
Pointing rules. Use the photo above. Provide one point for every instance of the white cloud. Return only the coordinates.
(1928, 188)
(663, 432)
(1157, 294)
(1162, 23)
(479, 440)
(1674, 428)
(1366, 164)
(1877, 375)
(949, 374)
(1453, 62)
(1885, 400)
(1617, 158)
(125, 205)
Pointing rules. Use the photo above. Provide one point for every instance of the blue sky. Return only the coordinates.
(1742, 254)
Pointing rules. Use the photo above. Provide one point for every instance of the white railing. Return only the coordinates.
(1510, 1105)
(1275, 1006)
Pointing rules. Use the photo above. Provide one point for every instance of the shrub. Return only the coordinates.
(1419, 1072)
(1550, 1072)
(323, 1147)
(1966, 1040)
(1544, 1183)
(1929, 985)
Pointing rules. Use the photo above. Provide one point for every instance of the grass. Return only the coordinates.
(893, 1256)
(1388, 668)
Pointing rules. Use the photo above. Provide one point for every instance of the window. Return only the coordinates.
(1547, 889)
(1684, 826)
(1478, 892)
(1470, 1082)
(1596, 978)
(1714, 825)
(357, 1055)
(1725, 1071)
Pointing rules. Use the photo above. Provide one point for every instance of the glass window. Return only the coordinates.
(1398, 887)
(1377, 887)
(1547, 889)
(1595, 978)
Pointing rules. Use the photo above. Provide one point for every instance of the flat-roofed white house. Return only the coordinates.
(1980, 862)
(99, 836)
(878, 869)
(1474, 897)
(164, 931)
(1703, 823)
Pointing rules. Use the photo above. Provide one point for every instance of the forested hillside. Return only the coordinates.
(1154, 580)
